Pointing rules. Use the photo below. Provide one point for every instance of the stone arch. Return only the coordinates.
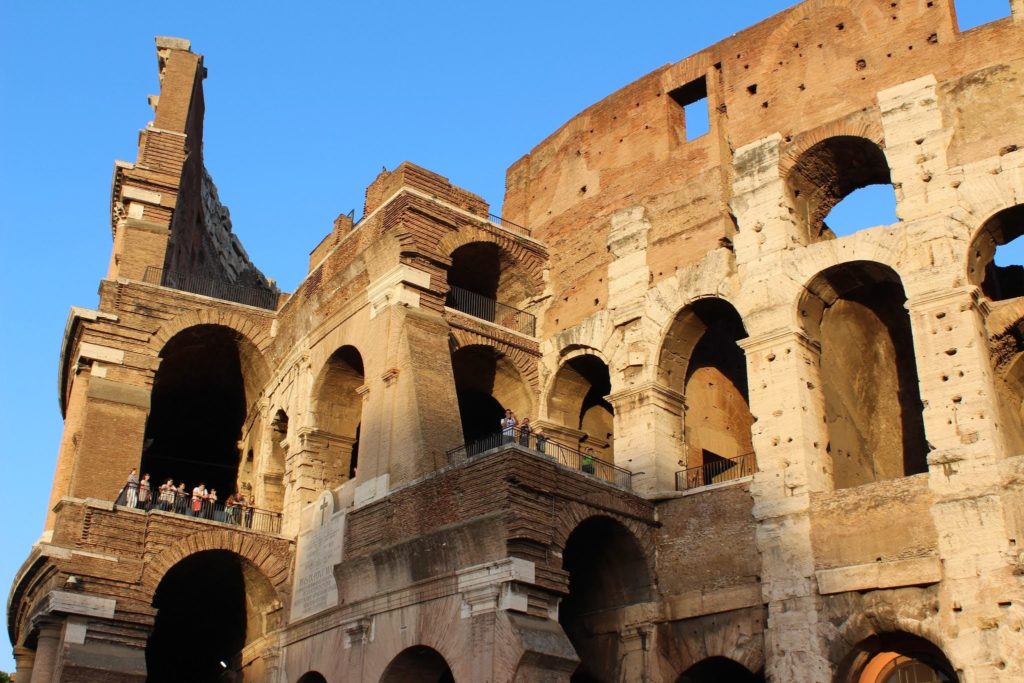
(820, 174)
(337, 405)
(609, 572)
(239, 606)
(271, 556)
(855, 312)
(996, 282)
(525, 361)
(718, 668)
(876, 658)
(418, 664)
(574, 514)
(488, 382)
(256, 333)
(205, 393)
(527, 260)
(701, 360)
(576, 405)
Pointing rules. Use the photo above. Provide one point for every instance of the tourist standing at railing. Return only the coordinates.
(525, 430)
(145, 492)
(210, 504)
(542, 441)
(588, 461)
(508, 427)
(198, 498)
(231, 508)
(181, 499)
(167, 495)
(131, 489)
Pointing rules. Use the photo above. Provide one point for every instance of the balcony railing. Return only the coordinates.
(197, 284)
(717, 471)
(581, 461)
(507, 224)
(490, 310)
(185, 504)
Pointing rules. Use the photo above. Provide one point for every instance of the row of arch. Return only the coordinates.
(608, 571)
(211, 376)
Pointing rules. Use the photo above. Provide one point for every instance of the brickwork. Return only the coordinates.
(688, 287)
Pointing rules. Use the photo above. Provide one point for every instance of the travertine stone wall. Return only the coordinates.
(629, 242)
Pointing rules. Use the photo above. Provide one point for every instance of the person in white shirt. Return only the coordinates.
(508, 427)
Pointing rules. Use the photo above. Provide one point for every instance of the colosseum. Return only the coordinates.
(755, 451)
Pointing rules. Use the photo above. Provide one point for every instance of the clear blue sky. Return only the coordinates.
(304, 107)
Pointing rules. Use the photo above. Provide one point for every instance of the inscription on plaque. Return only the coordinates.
(318, 550)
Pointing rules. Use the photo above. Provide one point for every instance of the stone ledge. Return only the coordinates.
(700, 603)
(893, 574)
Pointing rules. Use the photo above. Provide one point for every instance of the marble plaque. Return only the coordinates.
(318, 550)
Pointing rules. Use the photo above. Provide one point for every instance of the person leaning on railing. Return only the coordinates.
(588, 461)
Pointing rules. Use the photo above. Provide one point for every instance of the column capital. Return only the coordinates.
(937, 298)
(652, 389)
(778, 337)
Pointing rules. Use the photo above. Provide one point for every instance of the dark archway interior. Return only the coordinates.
(312, 677)
(719, 670)
(419, 664)
(607, 570)
(475, 370)
(873, 406)
(476, 267)
(998, 283)
(198, 406)
(201, 620)
(897, 658)
(828, 172)
(593, 370)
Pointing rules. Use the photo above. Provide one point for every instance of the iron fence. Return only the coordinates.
(582, 461)
(507, 224)
(181, 502)
(480, 306)
(206, 286)
(717, 471)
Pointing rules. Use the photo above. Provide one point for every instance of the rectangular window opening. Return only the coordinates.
(693, 98)
(973, 13)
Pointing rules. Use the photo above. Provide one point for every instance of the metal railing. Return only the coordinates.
(183, 503)
(715, 472)
(480, 306)
(197, 284)
(581, 461)
(507, 224)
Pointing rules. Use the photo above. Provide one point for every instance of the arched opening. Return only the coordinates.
(338, 406)
(486, 383)
(717, 669)
(1000, 276)
(210, 606)
(702, 359)
(607, 571)
(896, 658)
(208, 375)
(312, 677)
(868, 372)
(418, 664)
(486, 282)
(827, 173)
(577, 401)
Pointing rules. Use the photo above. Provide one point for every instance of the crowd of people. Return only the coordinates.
(200, 502)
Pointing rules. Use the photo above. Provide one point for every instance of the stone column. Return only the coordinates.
(789, 442)
(966, 475)
(74, 420)
(47, 652)
(23, 661)
(649, 435)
